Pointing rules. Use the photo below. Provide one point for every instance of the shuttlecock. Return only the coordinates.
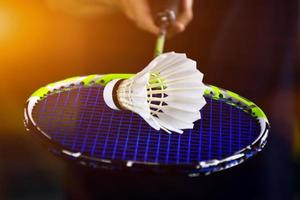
(167, 94)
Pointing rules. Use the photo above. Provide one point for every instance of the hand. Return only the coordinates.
(139, 11)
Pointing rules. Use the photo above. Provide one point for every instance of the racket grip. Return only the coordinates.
(164, 11)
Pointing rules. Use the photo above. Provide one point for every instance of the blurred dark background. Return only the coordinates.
(249, 47)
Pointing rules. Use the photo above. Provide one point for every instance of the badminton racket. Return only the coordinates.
(75, 123)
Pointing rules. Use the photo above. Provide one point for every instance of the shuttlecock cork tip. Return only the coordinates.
(110, 94)
(167, 94)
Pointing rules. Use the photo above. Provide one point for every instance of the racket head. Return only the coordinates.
(73, 120)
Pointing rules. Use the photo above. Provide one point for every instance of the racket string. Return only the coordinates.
(81, 122)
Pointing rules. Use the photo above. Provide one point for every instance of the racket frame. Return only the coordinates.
(192, 170)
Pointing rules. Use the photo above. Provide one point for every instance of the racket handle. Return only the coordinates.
(164, 12)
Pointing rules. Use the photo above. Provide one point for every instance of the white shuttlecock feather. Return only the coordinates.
(167, 94)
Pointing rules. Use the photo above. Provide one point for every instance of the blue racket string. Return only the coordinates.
(79, 121)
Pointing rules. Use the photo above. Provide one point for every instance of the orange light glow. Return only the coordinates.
(7, 24)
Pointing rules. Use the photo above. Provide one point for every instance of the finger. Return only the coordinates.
(143, 17)
(147, 24)
(185, 16)
(127, 7)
